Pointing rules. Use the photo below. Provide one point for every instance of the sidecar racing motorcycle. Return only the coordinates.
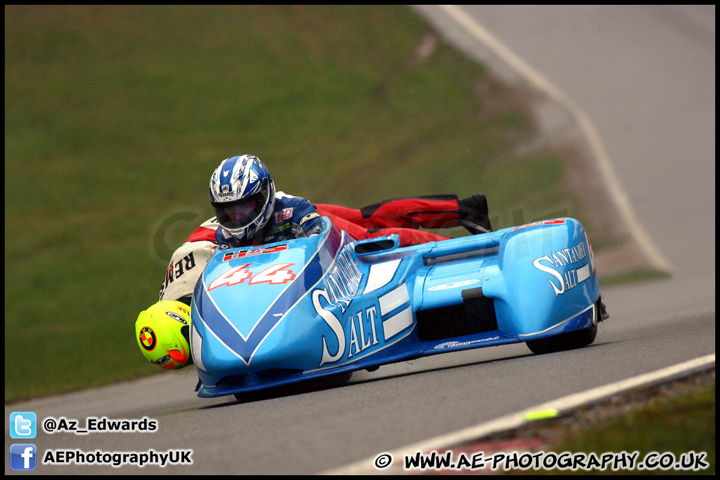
(281, 313)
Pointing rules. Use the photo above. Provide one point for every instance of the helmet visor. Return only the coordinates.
(242, 212)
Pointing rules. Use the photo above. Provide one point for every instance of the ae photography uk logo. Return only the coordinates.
(524, 461)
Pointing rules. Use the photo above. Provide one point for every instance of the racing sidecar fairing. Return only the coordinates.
(281, 313)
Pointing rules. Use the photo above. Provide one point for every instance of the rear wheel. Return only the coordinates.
(567, 341)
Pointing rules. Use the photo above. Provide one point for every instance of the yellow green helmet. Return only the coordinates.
(162, 332)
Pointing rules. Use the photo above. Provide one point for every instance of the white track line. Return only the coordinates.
(617, 194)
(514, 420)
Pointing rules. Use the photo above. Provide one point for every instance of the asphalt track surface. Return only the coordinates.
(645, 78)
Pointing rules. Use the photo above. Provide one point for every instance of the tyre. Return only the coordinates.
(567, 341)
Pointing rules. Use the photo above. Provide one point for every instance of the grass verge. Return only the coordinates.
(634, 276)
(665, 424)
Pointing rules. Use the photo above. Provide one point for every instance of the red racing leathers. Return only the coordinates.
(401, 216)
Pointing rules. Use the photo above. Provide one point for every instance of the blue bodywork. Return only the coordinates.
(280, 313)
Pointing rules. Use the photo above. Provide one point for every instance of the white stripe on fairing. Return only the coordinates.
(583, 273)
(397, 323)
(393, 299)
(381, 274)
(197, 348)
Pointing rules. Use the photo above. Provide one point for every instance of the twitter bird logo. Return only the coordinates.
(23, 425)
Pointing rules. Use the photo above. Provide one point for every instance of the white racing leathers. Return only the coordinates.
(188, 262)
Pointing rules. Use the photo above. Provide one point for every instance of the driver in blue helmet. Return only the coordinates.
(249, 210)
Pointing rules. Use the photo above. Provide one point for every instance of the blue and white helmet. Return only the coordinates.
(242, 193)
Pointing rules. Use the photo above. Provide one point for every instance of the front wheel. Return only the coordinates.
(567, 341)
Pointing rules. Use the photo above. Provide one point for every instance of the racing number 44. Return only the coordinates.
(278, 274)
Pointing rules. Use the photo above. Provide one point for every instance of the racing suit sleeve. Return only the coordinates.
(305, 220)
